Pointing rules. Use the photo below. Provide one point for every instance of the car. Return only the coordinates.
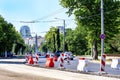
(49, 54)
(57, 53)
(39, 53)
(66, 54)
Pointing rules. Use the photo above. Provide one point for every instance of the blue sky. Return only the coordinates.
(15, 11)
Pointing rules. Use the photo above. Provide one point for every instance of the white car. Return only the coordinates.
(70, 54)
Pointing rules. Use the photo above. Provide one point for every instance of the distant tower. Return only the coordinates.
(25, 31)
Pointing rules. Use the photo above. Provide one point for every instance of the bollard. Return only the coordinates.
(49, 62)
(82, 65)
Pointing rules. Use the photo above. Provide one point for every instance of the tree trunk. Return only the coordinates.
(95, 52)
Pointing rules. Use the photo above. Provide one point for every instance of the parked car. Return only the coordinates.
(49, 54)
(57, 53)
(70, 54)
(39, 53)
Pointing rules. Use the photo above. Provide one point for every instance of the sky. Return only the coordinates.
(44, 11)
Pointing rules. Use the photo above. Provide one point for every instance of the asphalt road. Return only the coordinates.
(9, 75)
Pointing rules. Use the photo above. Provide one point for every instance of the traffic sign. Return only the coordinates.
(102, 36)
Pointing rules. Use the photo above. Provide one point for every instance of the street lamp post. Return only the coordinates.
(63, 33)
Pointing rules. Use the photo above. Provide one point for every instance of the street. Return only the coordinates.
(9, 75)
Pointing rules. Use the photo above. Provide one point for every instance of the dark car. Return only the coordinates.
(57, 53)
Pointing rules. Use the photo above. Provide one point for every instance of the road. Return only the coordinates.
(9, 75)
(17, 66)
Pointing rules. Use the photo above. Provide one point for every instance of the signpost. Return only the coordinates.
(103, 56)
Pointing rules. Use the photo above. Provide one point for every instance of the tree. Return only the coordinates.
(8, 36)
(52, 39)
(58, 39)
(87, 14)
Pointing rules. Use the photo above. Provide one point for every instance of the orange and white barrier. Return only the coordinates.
(82, 65)
(61, 61)
(30, 61)
(103, 59)
(49, 62)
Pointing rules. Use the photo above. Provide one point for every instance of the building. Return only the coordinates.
(25, 31)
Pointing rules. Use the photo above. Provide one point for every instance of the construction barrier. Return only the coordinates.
(82, 65)
(49, 62)
(115, 64)
(30, 61)
(103, 59)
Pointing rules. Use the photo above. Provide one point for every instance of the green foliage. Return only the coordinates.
(87, 14)
(43, 47)
(8, 36)
(74, 41)
(53, 39)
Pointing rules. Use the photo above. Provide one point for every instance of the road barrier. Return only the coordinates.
(49, 62)
(82, 65)
(30, 61)
(115, 64)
